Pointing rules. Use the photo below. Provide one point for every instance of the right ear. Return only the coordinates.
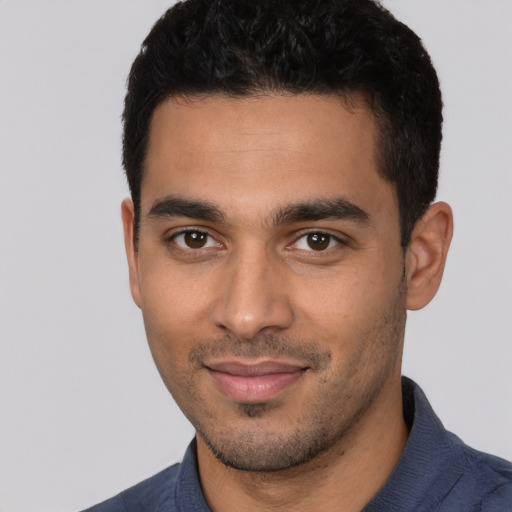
(128, 217)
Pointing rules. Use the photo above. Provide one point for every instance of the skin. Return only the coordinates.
(268, 237)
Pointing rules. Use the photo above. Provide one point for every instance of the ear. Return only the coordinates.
(128, 217)
(426, 254)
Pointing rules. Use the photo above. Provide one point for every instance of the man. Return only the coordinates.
(282, 158)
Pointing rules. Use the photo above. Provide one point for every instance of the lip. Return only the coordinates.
(254, 382)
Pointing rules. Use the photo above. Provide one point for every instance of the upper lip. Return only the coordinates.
(254, 369)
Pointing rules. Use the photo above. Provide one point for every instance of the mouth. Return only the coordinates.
(254, 382)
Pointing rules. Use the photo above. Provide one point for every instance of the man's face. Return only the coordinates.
(269, 272)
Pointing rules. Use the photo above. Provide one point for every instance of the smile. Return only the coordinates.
(254, 383)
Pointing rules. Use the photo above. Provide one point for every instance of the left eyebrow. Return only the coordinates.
(320, 209)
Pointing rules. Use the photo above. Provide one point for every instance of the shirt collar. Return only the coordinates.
(428, 469)
(188, 492)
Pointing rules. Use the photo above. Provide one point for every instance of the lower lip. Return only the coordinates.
(254, 389)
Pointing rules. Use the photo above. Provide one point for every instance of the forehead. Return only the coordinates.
(256, 152)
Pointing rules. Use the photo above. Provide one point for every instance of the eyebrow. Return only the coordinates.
(321, 209)
(175, 206)
(312, 210)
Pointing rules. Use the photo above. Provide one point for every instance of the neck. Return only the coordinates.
(344, 478)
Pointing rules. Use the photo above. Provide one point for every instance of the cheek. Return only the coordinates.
(168, 319)
(345, 297)
(172, 296)
(358, 315)
(175, 313)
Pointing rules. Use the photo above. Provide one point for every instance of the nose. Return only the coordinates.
(252, 297)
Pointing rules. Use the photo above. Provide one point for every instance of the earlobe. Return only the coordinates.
(128, 217)
(426, 254)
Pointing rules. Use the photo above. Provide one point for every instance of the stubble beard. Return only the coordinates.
(323, 427)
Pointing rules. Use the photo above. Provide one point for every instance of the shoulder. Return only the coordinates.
(152, 495)
(486, 480)
(494, 476)
(439, 472)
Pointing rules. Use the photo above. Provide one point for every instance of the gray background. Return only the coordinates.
(83, 413)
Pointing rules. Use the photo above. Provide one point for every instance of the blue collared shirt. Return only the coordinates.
(436, 473)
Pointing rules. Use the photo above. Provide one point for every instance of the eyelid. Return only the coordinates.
(181, 231)
(312, 231)
(171, 235)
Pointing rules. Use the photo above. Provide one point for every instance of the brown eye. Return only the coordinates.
(318, 241)
(195, 239)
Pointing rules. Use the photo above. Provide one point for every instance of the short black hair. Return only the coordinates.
(341, 47)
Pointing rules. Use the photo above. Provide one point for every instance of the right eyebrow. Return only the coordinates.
(175, 206)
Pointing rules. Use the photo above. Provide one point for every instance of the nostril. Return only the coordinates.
(249, 298)
(247, 320)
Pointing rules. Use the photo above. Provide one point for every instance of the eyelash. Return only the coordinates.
(186, 231)
(332, 241)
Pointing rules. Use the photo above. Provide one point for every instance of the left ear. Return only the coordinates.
(426, 254)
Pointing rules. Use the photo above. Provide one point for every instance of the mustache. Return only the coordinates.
(263, 346)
